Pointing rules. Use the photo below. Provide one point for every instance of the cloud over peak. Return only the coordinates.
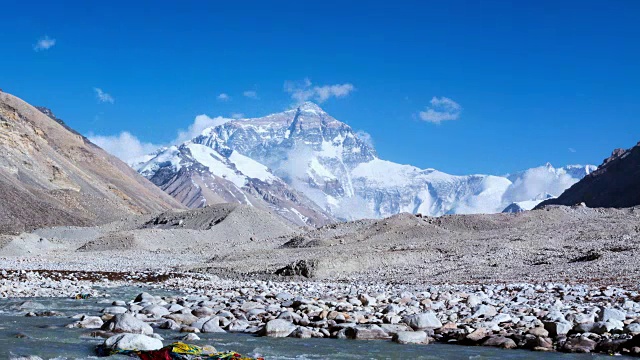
(103, 97)
(125, 146)
(441, 109)
(44, 43)
(302, 91)
(129, 148)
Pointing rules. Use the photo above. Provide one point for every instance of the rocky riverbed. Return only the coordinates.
(539, 317)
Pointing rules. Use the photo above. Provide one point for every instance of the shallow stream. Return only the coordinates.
(48, 338)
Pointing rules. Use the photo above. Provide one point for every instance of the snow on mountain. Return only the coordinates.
(325, 160)
(198, 175)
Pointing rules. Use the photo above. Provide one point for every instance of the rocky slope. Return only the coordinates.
(325, 160)
(50, 175)
(616, 183)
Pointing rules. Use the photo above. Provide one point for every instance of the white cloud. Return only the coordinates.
(199, 124)
(237, 115)
(304, 90)
(572, 150)
(535, 183)
(224, 97)
(44, 43)
(250, 94)
(365, 137)
(103, 97)
(124, 146)
(441, 109)
(129, 148)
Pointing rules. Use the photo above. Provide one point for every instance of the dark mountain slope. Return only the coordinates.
(616, 183)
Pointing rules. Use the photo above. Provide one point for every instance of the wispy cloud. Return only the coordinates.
(44, 43)
(103, 97)
(251, 94)
(304, 90)
(129, 148)
(224, 97)
(572, 150)
(237, 115)
(125, 146)
(200, 123)
(441, 109)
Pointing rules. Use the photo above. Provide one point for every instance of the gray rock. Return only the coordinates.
(501, 342)
(237, 326)
(302, 332)
(155, 311)
(423, 321)
(189, 329)
(213, 326)
(367, 300)
(579, 345)
(557, 328)
(126, 323)
(473, 301)
(366, 332)
(392, 309)
(202, 311)
(29, 305)
(393, 329)
(250, 305)
(278, 328)
(289, 316)
(115, 310)
(613, 324)
(485, 311)
(538, 331)
(608, 313)
(501, 318)
(633, 329)
(585, 328)
(477, 335)
(185, 319)
(284, 296)
(145, 297)
(90, 322)
(170, 325)
(190, 337)
(411, 337)
(132, 342)
(201, 321)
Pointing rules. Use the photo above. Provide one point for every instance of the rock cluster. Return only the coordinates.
(550, 317)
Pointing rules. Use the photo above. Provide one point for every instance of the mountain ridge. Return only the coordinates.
(325, 160)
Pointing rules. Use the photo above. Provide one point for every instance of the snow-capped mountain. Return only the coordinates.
(198, 175)
(325, 160)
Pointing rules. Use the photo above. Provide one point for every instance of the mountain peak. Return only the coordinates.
(310, 107)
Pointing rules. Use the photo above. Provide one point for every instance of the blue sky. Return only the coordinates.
(515, 84)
